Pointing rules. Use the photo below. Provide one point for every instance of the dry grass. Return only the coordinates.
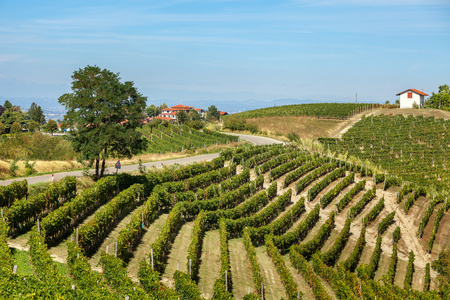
(304, 127)
(55, 166)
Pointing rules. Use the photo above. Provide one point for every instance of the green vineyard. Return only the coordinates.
(417, 149)
(171, 138)
(319, 110)
(257, 222)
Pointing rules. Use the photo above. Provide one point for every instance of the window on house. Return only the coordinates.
(409, 95)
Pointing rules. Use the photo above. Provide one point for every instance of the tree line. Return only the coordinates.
(14, 120)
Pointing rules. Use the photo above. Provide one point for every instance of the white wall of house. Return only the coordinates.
(408, 98)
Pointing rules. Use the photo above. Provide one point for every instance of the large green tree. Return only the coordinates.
(10, 115)
(36, 114)
(105, 114)
(51, 126)
(212, 113)
(440, 99)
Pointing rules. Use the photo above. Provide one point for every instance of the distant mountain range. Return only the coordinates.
(52, 109)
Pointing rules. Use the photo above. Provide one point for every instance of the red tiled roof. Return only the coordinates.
(164, 118)
(199, 109)
(181, 106)
(223, 113)
(413, 90)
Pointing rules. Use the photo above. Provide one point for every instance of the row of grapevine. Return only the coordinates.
(13, 191)
(278, 160)
(350, 194)
(376, 210)
(26, 210)
(288, 166)
(286, 277)
(263, 217)
(428, 213)
(283, 242)
(331, 256)
(93, 232)
(352, 261)
(251, 254)
(195, 247)
(312, 246)
(279, 226)
(413, 197)
(333, 193)
(303, 267)
(294, 175)
(319, 186)
(308, 179)
(358, 207)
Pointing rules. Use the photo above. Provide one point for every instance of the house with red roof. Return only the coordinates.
(411, 96)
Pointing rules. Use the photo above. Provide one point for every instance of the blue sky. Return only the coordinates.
(229, 51)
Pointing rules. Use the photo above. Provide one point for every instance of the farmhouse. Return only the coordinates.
(411, 96)
(170, 113)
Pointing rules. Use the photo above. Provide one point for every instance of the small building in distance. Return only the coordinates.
(411, 96)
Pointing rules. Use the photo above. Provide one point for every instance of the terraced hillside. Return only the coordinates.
(272, 221)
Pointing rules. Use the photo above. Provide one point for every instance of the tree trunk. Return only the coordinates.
(103, 168)
(97, 160)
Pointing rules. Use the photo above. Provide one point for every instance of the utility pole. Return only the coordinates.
(356, 98)
(440, 102)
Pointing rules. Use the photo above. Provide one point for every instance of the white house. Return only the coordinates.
(411, 96)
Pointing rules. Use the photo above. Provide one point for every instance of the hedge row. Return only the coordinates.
(162, 245)
(283, 242)
(312, 246)
(222, 288)
(149, 280)
(319, 186)
(409, 272)
(83, 276)
(368, 271)
(406, 188)
(390, 274)
(428, 214)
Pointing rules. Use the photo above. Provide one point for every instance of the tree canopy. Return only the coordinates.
(105, 114)
(52, 126)
(440, 99)
(213, 113)
(36, 114)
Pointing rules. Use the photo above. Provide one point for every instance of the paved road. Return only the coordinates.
(257, 140)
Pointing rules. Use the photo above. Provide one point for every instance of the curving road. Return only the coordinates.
(256, 140)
